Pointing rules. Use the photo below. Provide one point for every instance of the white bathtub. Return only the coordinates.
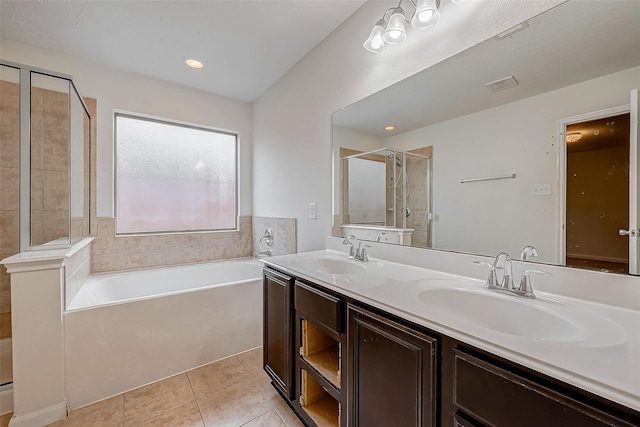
(124, 330)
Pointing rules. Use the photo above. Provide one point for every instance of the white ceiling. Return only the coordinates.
(246, 45)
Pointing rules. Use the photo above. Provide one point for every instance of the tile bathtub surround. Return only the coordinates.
(232, 392)
(77, 270)
(111, 253)
(284, 235)
(9, 193)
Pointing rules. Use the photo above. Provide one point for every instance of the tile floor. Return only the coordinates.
(232, 392)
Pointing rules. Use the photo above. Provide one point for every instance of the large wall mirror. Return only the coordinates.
(528, 137)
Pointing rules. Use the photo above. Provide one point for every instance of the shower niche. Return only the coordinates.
(386, 196)
(46, 153)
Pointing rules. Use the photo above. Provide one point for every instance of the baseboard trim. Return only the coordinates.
(42, 417)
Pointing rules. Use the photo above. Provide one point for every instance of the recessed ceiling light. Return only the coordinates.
(390, 127)
(193, 63)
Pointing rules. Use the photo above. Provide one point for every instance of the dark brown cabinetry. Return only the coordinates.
(340, 362)
(392, 372)
(498, 397)
(277, 330)
(321, 341)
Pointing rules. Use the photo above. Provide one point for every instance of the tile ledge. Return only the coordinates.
(42, 260)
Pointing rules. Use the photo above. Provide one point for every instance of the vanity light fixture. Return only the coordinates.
(573, 136)
(393, 30)
(194, 63)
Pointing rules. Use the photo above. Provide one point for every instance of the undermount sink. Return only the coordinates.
(333, 265)
(528, 319)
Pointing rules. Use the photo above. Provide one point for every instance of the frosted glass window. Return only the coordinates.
(173, 177)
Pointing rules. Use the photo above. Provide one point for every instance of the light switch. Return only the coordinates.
(313, 211)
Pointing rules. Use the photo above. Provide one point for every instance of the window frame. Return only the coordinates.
(177, 123)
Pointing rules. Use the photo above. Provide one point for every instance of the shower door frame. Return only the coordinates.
(25, 149)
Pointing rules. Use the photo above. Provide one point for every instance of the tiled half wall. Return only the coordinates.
(284, 235)
(112, 253)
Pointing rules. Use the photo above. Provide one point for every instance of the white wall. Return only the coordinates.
(292, 120)
(116, 89)
(520, 137)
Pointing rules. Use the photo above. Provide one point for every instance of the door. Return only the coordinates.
(634, 187)
(597, 191)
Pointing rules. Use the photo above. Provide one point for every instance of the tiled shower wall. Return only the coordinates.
(111, 253)
(9, 193)
(49, 165)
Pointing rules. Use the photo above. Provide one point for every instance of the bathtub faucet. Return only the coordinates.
(262, 254)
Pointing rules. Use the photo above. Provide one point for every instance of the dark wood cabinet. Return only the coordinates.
(341, 362)
(498, 397)
(321, 341)
(277, 330)
(392, 372)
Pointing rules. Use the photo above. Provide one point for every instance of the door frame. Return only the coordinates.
(561, 223)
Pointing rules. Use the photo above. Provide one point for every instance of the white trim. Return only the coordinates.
(6, 399)
(562, 169)
(42, 417)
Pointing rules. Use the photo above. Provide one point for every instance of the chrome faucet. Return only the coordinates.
(381, 235)
(267, 237)
(504, 284)
(361, 253)
(503, 263)
(351, 239)
(528, 252)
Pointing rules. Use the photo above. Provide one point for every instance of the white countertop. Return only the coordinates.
(604, 359)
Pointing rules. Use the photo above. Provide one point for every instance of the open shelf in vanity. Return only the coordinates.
(320, 339)
(321, 352)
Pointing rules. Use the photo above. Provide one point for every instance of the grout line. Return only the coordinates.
(200, 412)
(272, 409)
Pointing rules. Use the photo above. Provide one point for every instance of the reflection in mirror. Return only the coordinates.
(572, 69)
(387, 191)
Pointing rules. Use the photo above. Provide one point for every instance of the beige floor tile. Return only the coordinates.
(270, 419)
(155, 399)
(185, 416)
(4, 419)
(251, 359)
(107, 413)
(285, 412)
(234, 405)
(216, 376)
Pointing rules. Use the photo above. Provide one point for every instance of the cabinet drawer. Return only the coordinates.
(319, 306)
(498, 397)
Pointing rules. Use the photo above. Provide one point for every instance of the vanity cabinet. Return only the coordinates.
(341, 362)
(392, 372)
(490, 395)
(278, 330)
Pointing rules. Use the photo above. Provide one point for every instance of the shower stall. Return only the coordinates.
(388, 190)
(45, 156)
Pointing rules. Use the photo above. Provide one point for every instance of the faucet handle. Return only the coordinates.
(492, 280)
(525, 283)
(361, 253)
(348, 240)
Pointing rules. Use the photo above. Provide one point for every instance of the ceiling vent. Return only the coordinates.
(502, 84)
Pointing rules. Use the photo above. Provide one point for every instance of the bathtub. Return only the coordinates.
(127, 329)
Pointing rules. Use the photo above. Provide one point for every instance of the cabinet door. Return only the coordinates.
(392, 372)
(278, 322)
